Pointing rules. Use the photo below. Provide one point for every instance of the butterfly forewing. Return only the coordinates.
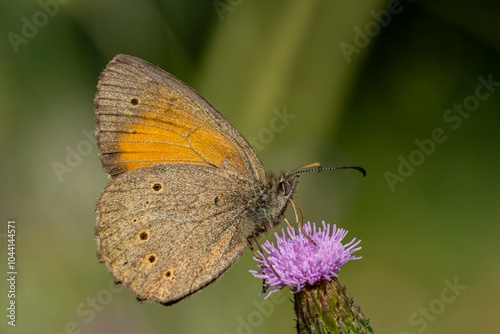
(146, 116)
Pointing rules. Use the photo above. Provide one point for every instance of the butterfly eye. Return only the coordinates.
(284, 187)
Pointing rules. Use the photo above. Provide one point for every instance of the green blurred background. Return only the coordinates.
(364, 106)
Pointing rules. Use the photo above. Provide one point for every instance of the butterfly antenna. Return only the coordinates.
(320, 169)
(314, 164)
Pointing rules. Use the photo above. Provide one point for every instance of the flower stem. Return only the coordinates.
(327, 308)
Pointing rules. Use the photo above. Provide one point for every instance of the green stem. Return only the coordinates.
(327, 308)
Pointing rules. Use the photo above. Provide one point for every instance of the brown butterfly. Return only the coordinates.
(187, 195)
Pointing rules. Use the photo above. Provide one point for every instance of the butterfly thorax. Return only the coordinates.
(268, 206)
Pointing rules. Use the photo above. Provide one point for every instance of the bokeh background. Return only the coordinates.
(361, 85)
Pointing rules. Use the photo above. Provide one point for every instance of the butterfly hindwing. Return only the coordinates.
(166, 239)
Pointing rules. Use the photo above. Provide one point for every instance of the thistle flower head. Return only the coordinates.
(297, 262)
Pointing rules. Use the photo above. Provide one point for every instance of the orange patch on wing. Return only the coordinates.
(217, 150)
(165, 130)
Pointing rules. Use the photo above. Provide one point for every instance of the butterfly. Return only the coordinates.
(187, 194)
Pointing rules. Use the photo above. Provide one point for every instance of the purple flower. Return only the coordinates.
(297, 262)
